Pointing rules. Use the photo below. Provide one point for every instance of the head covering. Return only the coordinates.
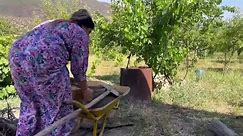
(80, 15)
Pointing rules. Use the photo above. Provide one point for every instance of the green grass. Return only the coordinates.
(183, 109)
(186, 107)
(220, 92)
(218, 95)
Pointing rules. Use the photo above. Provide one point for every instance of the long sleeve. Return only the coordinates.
(79, 56)
(76, 43)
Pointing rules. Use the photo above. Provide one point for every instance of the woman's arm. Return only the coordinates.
(79, 62)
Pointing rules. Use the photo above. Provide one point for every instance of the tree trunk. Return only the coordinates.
(225, 60)
(187, 68)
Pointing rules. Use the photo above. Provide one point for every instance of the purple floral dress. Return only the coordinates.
(38, 66)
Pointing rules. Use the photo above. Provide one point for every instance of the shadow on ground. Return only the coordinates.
(150, 119)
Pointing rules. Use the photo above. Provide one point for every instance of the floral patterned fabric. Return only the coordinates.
(38, 66)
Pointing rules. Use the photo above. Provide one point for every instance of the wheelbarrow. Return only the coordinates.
(100, 107)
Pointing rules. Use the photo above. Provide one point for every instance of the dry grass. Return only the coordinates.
(185, 109)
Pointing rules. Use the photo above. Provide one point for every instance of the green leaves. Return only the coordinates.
(162, 32)
(7, 91)
(229, 38)
(6, 87)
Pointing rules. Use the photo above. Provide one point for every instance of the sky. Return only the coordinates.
(237, 3)
(104, 0)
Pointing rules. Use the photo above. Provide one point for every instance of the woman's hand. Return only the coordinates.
(83, 94)
(87, 95)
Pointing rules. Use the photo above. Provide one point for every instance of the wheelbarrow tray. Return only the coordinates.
(110, 101)
(100, 107)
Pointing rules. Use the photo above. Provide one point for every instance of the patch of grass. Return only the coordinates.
(216, 61)
(215, 92)
(114, 78)
(185, 108)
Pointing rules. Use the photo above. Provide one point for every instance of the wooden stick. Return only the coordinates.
(220, 129)
(71, 115)
(59, 123)
(111, 89)
(96, 100)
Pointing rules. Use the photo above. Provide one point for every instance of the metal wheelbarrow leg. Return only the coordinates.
(87, 114)
(101, 133)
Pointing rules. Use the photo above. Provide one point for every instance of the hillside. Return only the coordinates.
(25, 8)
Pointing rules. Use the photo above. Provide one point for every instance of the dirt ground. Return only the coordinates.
(158, 119)
(150, 119)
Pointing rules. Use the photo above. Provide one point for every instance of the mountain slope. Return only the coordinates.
(25, 8)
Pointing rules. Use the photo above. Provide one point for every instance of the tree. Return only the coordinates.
(230, 39)
(6, 87)
(153, 30)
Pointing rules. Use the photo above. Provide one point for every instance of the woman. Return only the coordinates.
(38, 66)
